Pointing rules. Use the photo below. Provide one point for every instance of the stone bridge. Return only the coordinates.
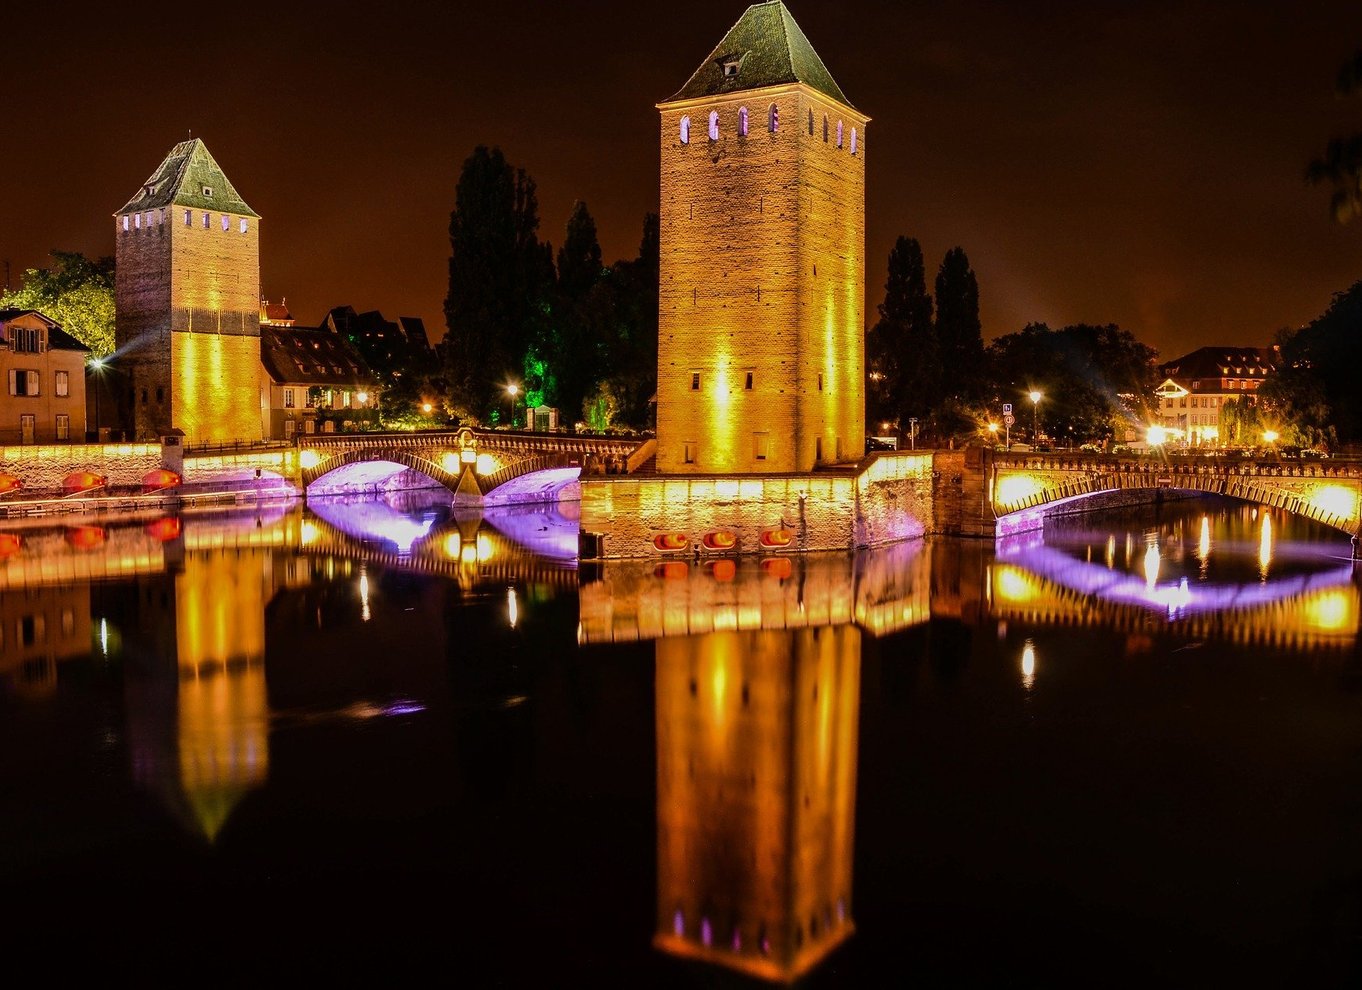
(478, 466)
(1017, 491)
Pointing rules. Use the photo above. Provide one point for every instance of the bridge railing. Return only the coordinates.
(1179, 464)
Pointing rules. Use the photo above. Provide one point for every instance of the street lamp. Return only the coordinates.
(1035, 416)
(1270, 437)
(512, 391)
(97, 365)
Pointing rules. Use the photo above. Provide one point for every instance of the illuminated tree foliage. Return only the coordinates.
(500, 284)
(903, 358)
(1082, 372)
(1341, 164)
(75, 292)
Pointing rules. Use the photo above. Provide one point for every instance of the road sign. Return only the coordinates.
(1009, 419)
(1007, 407)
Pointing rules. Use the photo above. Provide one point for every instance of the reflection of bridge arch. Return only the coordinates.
(1024, 489)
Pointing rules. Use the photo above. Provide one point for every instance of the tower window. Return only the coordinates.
(810, 123)
(820, 381)
(125, 223)
(761, 446)
(690, 451)
(748, 384)
(742, 122)
(226, 223)
(839, 133)
(695, 381)
(136, 221)
(825, 128)
(714, 125)
(853, 140)
(773, 122)
(188, 218)
(685, 130)
(206, 221)
(244, 225)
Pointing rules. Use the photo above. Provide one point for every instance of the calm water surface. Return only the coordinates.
(375, 741)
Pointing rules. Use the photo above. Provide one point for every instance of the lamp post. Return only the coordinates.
(512, 391)
(912, 433)
(1035, 417)
(97, 366)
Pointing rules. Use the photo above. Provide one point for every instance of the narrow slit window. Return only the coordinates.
(207, 221)
(820, 381)
(748, 384)
(825, 129)
(695, 381)
(853, 140)
(839, 133)
(226, 223)
(189, 218)
(685, 130)
(742, 122)
(773, 121)
(125, 223)
(245, 225)
(714, 125)
(810, 123)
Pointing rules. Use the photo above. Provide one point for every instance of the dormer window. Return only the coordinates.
(148, 189)
(730, 65)
(208, 192)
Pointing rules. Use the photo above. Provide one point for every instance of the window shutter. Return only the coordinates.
(13, 382)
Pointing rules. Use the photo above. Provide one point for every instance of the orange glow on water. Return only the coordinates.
(777, 567)
(165, 529)
(10, 544)
(723, 570)
(85, 537)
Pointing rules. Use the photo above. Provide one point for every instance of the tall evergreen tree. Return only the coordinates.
(904, 358)
(630, 295)
(500, 283)
(576, 344)
(958, 330)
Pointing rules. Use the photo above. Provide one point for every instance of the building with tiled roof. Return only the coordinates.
(316, 381)
(1196, 387)
(43, 368)
(275, 314)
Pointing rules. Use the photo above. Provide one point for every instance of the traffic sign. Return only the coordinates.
(1009, 419)
(1007, 407)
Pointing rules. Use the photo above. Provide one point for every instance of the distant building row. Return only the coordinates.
(1196, 387)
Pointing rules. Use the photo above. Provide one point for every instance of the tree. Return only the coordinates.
(958, 331)
(1316, 385)
(500, 284)
(75, 292)
(1341, 164)
(903, 358)
(575, 346)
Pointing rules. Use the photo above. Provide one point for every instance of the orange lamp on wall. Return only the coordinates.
(83, 481)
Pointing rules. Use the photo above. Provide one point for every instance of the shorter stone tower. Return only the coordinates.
(761, 323)
(187, 297)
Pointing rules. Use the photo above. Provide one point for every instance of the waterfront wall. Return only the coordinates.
(44, 468)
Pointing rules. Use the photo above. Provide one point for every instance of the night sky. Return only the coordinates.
(1130, 163)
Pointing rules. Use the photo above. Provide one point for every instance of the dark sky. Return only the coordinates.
(1133, 163)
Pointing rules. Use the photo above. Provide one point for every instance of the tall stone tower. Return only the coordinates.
(761, 347)
(187, 297)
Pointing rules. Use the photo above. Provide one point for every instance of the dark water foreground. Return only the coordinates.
(357, 742)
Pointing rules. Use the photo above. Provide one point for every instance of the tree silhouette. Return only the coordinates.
(903, 358)
(1341, 164)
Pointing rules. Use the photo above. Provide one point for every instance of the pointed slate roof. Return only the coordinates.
(181, 180)
(769, 49)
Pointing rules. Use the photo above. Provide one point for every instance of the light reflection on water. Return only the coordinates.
(241, 632)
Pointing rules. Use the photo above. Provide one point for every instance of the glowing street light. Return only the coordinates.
(1035, 415)
(993, 433)
(97, 366)
(512, 391)
(1270, 436)
(426, 407)
(1156, 436)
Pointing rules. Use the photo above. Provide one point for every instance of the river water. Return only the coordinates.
(375, 740)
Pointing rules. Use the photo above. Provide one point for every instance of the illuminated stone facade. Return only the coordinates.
(761, 346)
(42, 368)
(188, 304)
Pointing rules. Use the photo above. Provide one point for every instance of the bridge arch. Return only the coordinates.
(1025, 491)
(393, 455)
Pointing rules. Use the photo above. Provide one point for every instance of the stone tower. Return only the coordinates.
(187, 297)
(761, 339)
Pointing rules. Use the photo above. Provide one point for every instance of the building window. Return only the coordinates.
(773, 121)
(853, 140)
(125, 223)
(160, 393)
(310, 399)
(761, 446)
(742, 122)
(810, 123)
(1196, 385)
(839, 133)
(226, 223)
(61, 383)
(27, 340)
(714, 125)
(748, 385)
(136, 221)
(730, 67)
(63, 426)
(244, 225)
(695, 381)
(825, 128)
(685, 130)
(288, 398)
(690, 452)
(207, 221)
(28, 425)
(189, 218)
(23, 382)
(820, 381)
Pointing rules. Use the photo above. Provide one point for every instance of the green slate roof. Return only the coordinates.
(181, 180)
(769, 49)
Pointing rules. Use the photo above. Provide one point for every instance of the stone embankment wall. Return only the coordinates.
(43, 470)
